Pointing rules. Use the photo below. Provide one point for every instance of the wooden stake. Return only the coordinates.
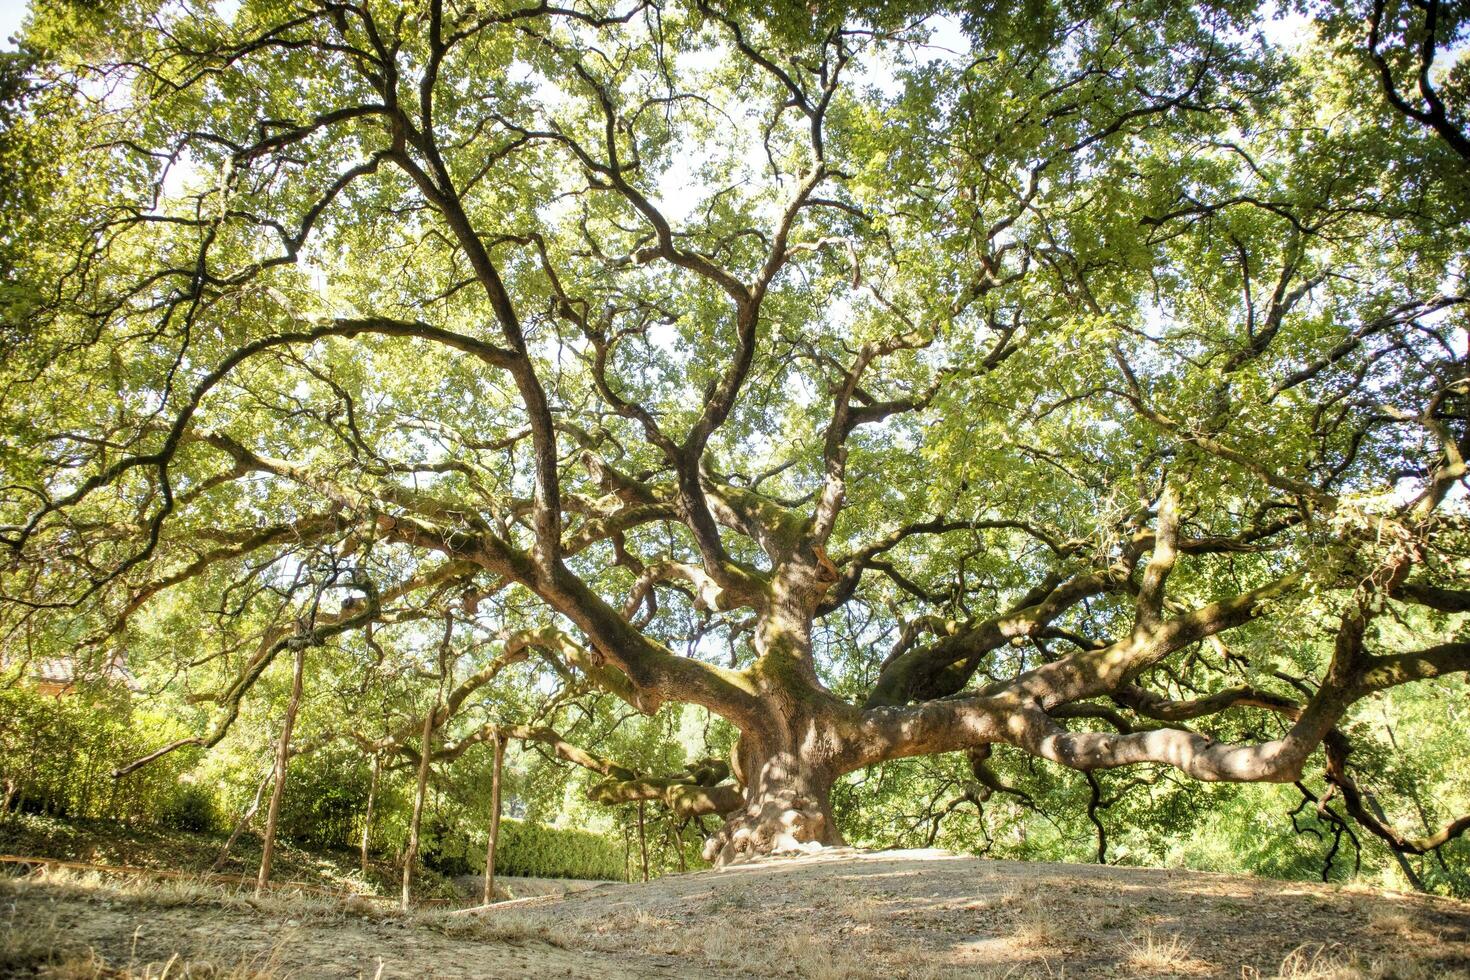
(642, 840)
(494, 819)
(367, 817)
(426, 748)
(283, 758)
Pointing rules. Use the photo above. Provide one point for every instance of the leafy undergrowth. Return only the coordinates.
(104, 842)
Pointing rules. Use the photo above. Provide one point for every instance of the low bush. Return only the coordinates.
(535, 850)
(525, 849)
(190, 807)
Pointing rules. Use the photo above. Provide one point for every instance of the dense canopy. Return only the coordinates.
(1063, 381)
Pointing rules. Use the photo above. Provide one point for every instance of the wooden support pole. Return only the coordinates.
(367, 817)
(642, 840)
(283, 758)
(426, 749)
(499, 746)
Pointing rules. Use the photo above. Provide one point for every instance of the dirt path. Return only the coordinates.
(932, 914)
(920, 914)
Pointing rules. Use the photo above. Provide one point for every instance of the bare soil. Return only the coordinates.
(837, 914)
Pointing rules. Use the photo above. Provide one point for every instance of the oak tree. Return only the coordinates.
(887, 379)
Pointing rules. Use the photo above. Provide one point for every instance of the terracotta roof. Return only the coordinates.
(62, 672)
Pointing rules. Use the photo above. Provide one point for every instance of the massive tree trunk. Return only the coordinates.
(788, 781)
(790, 753)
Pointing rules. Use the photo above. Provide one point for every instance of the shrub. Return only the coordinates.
(525, 849)
(535, 850)
(326, 793)
(189, 807)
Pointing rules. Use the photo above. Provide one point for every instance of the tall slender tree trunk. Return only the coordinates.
(283, 759)
(426, 749)
(426, 752)
(367, 817)
(642, 840)
(494, 835)
(675, 837)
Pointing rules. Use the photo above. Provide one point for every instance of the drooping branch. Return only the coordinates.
(697, 790)
(1363, 811)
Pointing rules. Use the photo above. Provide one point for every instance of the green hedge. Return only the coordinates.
(57, 754)
(533, 850)
(528, 850)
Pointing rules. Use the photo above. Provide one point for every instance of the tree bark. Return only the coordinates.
(788, 767)
(789, 755)
(426, 754)
(411, 857)
(676, 839)
(788, 809)
(494, 835)
(283, 759)
(367, 817)
(642, 838)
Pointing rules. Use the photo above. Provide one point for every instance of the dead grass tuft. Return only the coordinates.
(1038, 923)
(869, 910)
(1324, 962)
(813, 959)
(191, 892)
(493, 927)
(800, 954)
(1402, 925)
(1152, 952)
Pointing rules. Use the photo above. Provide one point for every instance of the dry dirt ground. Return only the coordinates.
(914, 914)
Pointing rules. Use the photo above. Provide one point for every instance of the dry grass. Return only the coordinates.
(1152, 952)
(1402, 925)
(296, 907)
(802, 955)
(868, 911)
(951, 919)
(1037, 921)
(1326, 962)
(491, 927)
(92, 967)
(44, 951)
(813, 959)
(41, 949)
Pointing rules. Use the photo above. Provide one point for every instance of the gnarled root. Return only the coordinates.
(783, 823)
